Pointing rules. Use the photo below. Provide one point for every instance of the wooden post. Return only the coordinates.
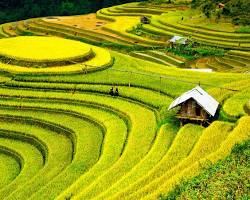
(160, 84)
(20, 102)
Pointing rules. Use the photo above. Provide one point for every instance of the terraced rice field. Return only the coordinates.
(159, 57)
(232, 61)
(112, 27)
(171, 24)
(63, 136)
(50, 55)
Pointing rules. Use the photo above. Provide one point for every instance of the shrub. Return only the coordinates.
(243, 29)
(190, 52)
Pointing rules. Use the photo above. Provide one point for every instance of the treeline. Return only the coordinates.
(14, 10)
(239, 10)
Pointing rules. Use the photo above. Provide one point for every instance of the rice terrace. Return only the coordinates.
(124, 99)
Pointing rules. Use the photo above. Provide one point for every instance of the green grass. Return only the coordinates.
(225, 179)
(225, 64)
(136, 9)
(201, 38)
(169, 58)
(243, 29)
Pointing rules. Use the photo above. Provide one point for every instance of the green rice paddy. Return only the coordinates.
(63, 136)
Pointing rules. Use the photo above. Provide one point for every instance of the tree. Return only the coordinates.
(13, 10)
(218, 15)
(67, 8)
(207, 9)
(35, 11)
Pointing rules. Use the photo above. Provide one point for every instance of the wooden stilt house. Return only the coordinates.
(221, 5)
(196, 105)
(178, 40)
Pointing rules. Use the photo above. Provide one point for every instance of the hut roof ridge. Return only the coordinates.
(201, 97)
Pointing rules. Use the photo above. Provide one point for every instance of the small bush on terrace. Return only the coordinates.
(193, 52)
(243, 29)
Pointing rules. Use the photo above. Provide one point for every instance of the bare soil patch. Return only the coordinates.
(88, 22)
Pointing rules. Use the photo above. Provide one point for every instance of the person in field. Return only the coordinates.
(116, 91)
(111, 91)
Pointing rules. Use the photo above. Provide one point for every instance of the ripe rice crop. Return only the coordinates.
(64, 56)
(42, 49)
(209, 141)
(234, 106)
(63, 135)
(188, 133)
(136, 130)
(240, 133)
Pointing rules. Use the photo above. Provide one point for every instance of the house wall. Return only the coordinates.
(191, 109)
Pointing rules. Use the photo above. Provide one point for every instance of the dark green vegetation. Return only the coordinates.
(13, 10)
(227, 179)
(239, 10)
(190, 52)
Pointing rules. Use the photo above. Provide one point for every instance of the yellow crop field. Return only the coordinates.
(42, 49)
(52, 50)
(239, 134)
